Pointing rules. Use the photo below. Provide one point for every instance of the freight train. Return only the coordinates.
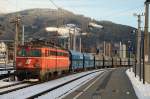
(43, 62)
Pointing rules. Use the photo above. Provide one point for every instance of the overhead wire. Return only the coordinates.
(62, 13)
(123, 11)
(54, 4)
(61, 9)
(111, 15)
(57, 13)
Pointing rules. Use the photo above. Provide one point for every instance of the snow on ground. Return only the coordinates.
(29, 91)
(14, 87)
(67, 89)
(142, 90)
(4, 83)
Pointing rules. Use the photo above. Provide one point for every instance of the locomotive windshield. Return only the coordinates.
(29, 52)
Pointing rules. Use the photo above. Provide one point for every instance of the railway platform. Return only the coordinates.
(113, 84)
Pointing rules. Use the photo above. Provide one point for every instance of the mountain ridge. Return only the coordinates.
(36, 20)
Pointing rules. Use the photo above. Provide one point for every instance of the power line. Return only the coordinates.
(61, 11)
(124, 11)
(54, 4)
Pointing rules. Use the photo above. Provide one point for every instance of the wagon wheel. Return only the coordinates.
(20, 78)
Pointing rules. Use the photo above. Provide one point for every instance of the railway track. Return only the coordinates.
(56, 87)
(34, 90)
(20, 85)
(6, 86)
(16, 86)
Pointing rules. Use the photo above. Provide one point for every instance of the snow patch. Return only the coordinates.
(4, 83)
(142, 90)
(32, 90)
(63, 91)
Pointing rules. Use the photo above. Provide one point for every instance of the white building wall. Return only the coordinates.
(124, 51)
(120, 50)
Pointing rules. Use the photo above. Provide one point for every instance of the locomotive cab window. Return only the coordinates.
(29, 53)
(22, 52)
(35, 53)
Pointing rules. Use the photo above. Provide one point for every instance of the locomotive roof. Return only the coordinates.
(41, 47)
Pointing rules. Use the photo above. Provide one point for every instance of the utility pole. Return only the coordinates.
(16, 20)
(120, 50)
(74, 39)
(80, 40)
(146, 35)
(70, 40)
(104, 48)
(80, 43)
(138, 36)
(22, 35)
(146, 64)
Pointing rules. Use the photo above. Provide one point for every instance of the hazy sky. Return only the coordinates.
(119, 11)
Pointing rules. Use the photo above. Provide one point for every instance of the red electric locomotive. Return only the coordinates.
(40, 62)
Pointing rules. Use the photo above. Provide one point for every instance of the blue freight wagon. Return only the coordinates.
(76, 59)
(88, 60)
